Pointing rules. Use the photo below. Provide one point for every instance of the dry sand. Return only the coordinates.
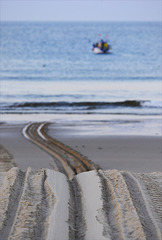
(98, 205)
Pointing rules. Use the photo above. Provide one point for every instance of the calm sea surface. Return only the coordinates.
(49, 67)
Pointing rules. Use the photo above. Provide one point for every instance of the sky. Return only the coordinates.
(77, 10)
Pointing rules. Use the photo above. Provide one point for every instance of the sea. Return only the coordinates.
(50, 68)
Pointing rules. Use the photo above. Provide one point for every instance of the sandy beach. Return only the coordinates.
(70, 182)
(135, 149)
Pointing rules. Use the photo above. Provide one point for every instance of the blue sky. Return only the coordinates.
(85, 10)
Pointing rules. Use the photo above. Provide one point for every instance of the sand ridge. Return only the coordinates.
(40, 204)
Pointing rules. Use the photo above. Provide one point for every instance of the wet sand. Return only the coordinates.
(135, 153)
(24, 153)
(122, 152)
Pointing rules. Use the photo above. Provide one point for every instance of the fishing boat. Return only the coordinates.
(101, 47)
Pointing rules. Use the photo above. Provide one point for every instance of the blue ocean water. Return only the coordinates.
(49, 67)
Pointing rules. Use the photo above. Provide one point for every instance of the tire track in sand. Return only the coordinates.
(26, 201)
(68, 161)
(146, 195)
(10, 194)
(106, 205)
(119, 209)
(83, 205)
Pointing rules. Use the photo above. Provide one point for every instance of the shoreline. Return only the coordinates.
(109, 124)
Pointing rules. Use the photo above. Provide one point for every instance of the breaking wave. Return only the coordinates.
(85, 105)
(144, 107)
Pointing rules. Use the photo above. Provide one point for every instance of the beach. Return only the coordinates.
(70, 182)
(80, 133)
(106, 146)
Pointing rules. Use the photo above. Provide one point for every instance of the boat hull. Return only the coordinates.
(99, 50)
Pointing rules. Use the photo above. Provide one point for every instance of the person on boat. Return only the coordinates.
(105, 46)
(101, 44)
